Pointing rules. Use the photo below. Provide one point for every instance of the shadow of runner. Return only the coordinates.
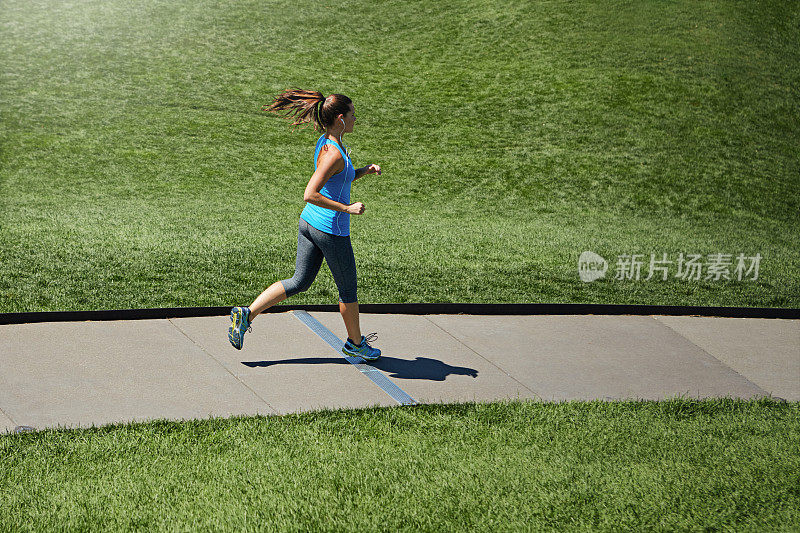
(420, 368)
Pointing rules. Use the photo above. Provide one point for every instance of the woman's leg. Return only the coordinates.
(345, 278)
(274, 294)
(350, 316)
(306, 267)
(339, 255)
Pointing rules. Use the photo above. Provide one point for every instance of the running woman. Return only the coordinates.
(324, 229)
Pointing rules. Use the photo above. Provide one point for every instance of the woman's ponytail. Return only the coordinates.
(309, 106)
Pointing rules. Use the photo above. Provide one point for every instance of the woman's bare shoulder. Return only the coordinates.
(330, 150)
(331, 155)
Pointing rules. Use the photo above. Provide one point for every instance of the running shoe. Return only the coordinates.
(240, 323)
(363, 350)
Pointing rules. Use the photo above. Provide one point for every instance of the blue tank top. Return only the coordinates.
(337, 188)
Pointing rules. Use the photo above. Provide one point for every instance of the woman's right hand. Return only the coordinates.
(356, 208)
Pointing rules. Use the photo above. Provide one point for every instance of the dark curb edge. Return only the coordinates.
(414, 309)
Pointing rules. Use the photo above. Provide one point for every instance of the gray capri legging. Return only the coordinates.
(312, 246)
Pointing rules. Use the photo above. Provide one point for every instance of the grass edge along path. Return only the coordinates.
(673, 464)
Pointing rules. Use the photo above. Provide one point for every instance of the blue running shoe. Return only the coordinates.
(240, 323)
(363, 350)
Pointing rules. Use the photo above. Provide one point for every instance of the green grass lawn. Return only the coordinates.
(677, 465)
(137, 170)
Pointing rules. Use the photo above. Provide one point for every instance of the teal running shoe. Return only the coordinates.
(363, 350)
(240, 323)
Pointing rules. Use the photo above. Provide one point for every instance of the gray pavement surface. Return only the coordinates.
(80, 374)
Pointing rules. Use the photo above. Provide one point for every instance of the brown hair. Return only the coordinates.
(310, 106)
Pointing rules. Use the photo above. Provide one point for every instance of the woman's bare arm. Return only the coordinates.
(327, 167)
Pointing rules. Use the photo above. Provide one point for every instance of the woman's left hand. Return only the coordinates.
(373, 169)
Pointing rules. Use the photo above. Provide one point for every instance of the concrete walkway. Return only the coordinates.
(78, 374)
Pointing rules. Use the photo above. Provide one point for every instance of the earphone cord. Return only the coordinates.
(341, 140)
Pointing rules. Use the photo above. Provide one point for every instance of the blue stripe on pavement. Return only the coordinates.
(377, 377)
